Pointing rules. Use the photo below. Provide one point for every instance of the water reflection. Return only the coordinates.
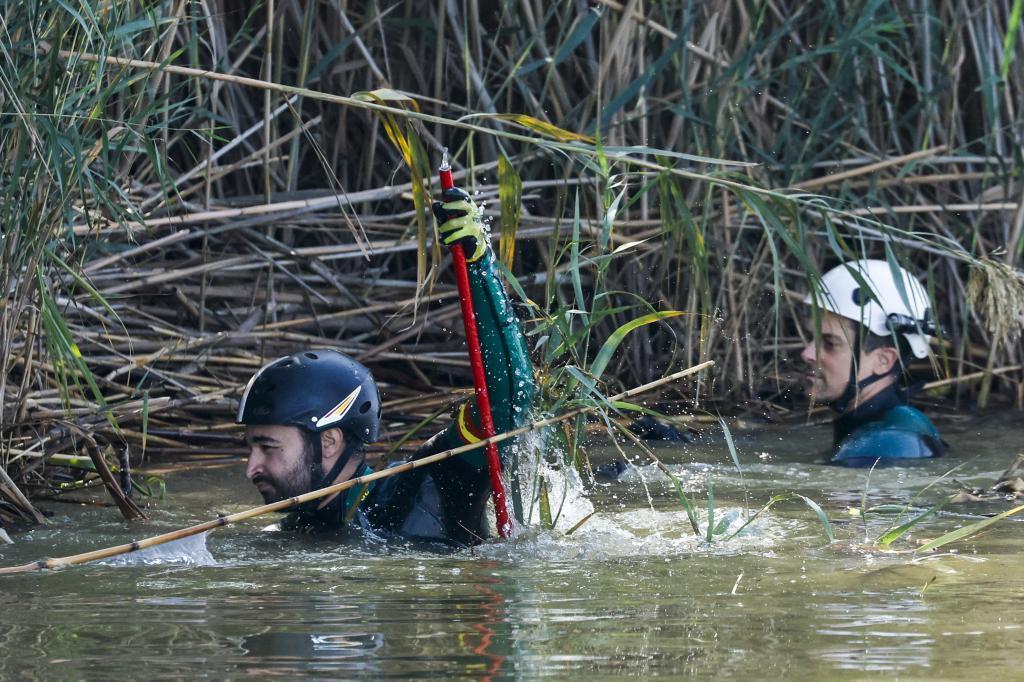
(300, 646)
(875, 633)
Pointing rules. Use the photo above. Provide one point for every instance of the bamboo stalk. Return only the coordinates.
(336, 488)
(937, 208)
(871, 168)
(970, 377)
(574, 148)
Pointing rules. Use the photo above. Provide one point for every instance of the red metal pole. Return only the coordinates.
(483, 400)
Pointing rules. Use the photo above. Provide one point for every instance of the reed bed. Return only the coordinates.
(257, 181)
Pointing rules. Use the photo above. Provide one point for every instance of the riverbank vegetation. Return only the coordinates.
(191, 189)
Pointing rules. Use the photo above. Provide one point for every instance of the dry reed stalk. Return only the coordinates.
(176, 242)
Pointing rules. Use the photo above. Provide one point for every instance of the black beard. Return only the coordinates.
(296, 482)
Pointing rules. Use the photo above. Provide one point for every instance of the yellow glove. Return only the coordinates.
(459, 221)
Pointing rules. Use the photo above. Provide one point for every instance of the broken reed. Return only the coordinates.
(166, 234)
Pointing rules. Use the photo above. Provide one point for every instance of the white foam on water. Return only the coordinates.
(190, 551)
(615, 534)
(644, 533)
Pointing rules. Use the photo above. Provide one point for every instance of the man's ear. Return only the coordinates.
(332, 443)
(884, 359)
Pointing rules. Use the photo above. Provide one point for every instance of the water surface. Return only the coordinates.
(632, 592)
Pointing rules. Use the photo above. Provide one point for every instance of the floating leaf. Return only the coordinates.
(967, 531)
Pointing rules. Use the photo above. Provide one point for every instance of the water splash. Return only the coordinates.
(190, 551)
(644, 533)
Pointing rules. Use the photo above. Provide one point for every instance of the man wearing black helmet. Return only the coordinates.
(310, 415)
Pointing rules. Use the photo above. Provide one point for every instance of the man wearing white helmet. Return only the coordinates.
(874, 320)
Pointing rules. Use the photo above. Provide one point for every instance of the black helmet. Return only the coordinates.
(314, 390)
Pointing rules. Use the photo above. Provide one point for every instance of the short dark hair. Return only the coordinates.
(313, 455)
(871, 341)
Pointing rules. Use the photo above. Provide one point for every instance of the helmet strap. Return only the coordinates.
(353, 448)
(853, 387)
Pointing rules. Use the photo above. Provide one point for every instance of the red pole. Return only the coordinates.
(483, 400)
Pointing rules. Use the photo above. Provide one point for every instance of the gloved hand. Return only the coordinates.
(460, 222)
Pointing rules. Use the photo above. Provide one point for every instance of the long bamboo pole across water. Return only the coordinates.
(220, 521)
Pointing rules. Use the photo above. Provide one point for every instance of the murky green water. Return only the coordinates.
(630, 593)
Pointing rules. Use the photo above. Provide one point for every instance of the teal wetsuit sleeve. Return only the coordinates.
(461, 484)
(507, 366)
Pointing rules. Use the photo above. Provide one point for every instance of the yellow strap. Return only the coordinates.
(464, 431)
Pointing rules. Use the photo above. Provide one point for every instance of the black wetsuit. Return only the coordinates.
(446, 502)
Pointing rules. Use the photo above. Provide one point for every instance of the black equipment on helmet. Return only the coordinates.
(905, 324)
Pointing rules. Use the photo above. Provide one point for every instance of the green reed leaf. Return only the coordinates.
(822, 517)
(545, 505)
(967, 531)
(581, 29)
(1011, 37)
(510, 199)
(711, 512)
(891, 536)
(614, 339)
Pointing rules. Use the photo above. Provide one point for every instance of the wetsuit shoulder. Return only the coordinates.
(901, 432)
(443, 503)
(908, 418)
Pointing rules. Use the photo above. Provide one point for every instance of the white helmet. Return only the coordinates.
(889, 306)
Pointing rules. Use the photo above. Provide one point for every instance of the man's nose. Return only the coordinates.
(809, 354)
(255, 464)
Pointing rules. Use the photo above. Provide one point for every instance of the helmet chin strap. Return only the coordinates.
(353, 448)
(854, 387)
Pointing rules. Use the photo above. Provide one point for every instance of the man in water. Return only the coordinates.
(310, 415)
(872, 325)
